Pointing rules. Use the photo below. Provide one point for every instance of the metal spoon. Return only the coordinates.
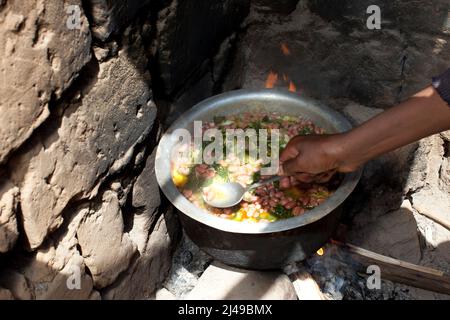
(231, 193)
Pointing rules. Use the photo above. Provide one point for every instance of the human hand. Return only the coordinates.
(313, 158)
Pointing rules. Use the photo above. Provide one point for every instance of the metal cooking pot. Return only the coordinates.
(256, 245)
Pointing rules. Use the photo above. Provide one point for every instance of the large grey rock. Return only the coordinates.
(426, 165)
(422, 17)
(41, 56)
(5, 294)
(423, 43)
(446, 135)
(333, 54)
(220, 282)
(323, 62)
(432, 202)
(358, 114)
(106, 249)
(146, 200)
(445, 175)
(95, 137)
(393, 234)
(190, 32)
(423, 48)
(8, 222)
(59, 284)
(17, 284)
(164, 294)
(389, 169)
(145, 189)
(55, 271)
(149, 270)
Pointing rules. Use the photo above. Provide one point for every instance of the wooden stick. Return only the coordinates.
(305, 286)
(397, 270)
(436, 218)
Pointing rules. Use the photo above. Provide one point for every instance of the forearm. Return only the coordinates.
(422, 115)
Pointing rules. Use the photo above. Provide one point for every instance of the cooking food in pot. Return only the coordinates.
(271, 202)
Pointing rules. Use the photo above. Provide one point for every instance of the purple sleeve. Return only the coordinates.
(442, 85)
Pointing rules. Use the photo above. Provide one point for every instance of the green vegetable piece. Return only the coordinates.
(276, 184)
(256, 176)
(222, 172)
(281, 212)
(255, 125)
(306, 131)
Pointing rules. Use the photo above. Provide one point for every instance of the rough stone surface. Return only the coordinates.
(426, 165)
(108, 16)
(422, 40)
(96, 137)
(281, 6)
(54, 283)
(388, 173)
(332, 54)
(347, 14)
(8, 222)
(201, 90)
(180, 52)
(164, 294)
(358, 114)
(17, 284)
(433, 202)
(5, 294)
(146, 200)
(445, 175)
(145, 189)
(150, 269)
(55, 271)
(446, 135)
(393, 234)
(79, 123)
(225, 283)
(33, 66)
(106, 250)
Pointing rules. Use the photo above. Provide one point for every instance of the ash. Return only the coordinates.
(340, 281)
(188, 264)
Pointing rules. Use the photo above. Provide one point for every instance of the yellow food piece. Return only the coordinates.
(240, 215)
(264, 215)
(179, 179)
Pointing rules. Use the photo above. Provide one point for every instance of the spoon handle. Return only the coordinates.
(261, 183)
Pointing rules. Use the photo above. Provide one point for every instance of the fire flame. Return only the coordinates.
(285, 49)
(320, 252)
(292, 87)
(272, 78)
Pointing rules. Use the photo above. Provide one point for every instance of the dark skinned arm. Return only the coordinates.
(311, 158)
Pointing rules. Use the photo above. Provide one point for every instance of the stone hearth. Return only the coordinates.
(88, 86)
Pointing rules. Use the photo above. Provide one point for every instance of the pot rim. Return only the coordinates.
(163, 170)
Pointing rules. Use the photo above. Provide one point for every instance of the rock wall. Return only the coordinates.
(81, 216)
(332, 54)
